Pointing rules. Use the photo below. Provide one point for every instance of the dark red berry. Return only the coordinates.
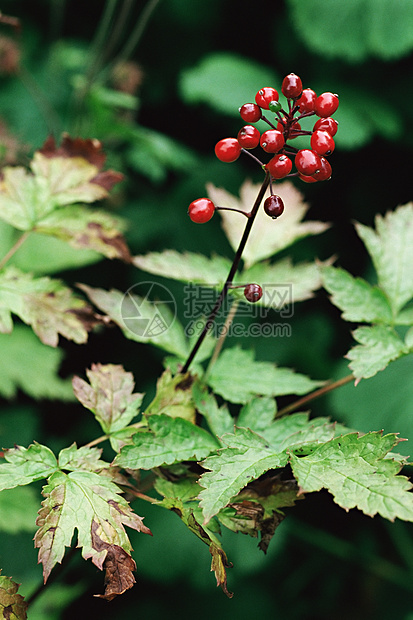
(324, 174)
(307, 162)
(228, 150)
(292, 86)
(250, 112)
(326, 104)
(322, 142)
(253, 292)
(307, 100)
(201, 210)
(265, 95)
(248, 137)
(273, 206)
(279, 166)
(326, 124)
(272, 141)
(307, 179)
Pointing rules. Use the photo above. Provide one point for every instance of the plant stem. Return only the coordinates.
(136, 35)
(309, 397)
(234, 267)
(14, 248)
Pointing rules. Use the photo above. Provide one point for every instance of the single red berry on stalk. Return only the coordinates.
(201, 210)
(326, 124)
(279, 166)
(249, 137)
(253, 292)
(250, 112)
(307, 100)
(322, 142)
(228, 150)
(324, 174)
(272, 141)
(307, 162)
(292, 86)
(273, 206)
(326, 104)
(265, 95)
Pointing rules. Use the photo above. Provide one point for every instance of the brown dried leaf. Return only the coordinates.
(219, 565)
(12, 605)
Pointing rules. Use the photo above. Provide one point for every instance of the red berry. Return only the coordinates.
(307, 162)
(228, 150)
(250, 112)
(265, 95)
(272, 141)
(307, 179)
(326, 124)
(322, 142)
(326, 104)
(273, 206)
(248, 137)
(324, 174)
(292, 87)
(279, 166)
(201, 210)
(253, 292)
(307, 100)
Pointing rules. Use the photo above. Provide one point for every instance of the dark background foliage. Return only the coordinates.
(194, 64)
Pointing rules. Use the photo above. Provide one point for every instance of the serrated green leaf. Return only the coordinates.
(379, 345)
(188, 267)
(298, 432)
(25, 465)
(267, 237)
(209, 81)
(47, 305)
(354, 469)
(18, 510)
(219, 419)
(82, 459)
(21, 372)
(234, 467)
(238, 378)
(109, 395)
(168, 440)
(395, 275)
(185, 489)
(12, 604)
(257, 414)
(173, 397)
(359, 301)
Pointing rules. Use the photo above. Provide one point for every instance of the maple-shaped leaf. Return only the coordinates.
(267, 236)
(188, 266)
(360, 473)
(257, 414)
(379, 345)
(238, 377)
(109, 395)
(90, 503)
(12, 604)
(219, 419)
(173, 396)
(25, 465)
(47, 305)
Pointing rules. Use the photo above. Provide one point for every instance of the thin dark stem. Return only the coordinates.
(253, 157)
(246, 213)
(232, 272)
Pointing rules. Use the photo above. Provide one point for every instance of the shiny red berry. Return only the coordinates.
(250, 112)
(249, 137)
(265, 95)
(326, 104)
(307, 100)
(279, 166)
(322, 142)
(308, 179)
(228, 150)
(272, 141)
(201, 210)
(253, 292)
(273, 206)
(326, 124)
(324, 174)
(307, 162)
(292, 87)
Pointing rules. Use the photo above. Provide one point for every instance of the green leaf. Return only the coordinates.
(90, 503)
(208, 81)
(173, 397)
(21, 372)
(237, 377)
(257, 414)
(18, 510)
(355, 29)
(109, 395)
(299, 434)
(25, 465)
(267, 236)
(219, 419)
(168, 440)
(234, 467)
(379, 345)
(395, 275)
(82, 459)
(359, 301)
(188, 267)
(47, 305)
(356, 471)
(12, 604)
